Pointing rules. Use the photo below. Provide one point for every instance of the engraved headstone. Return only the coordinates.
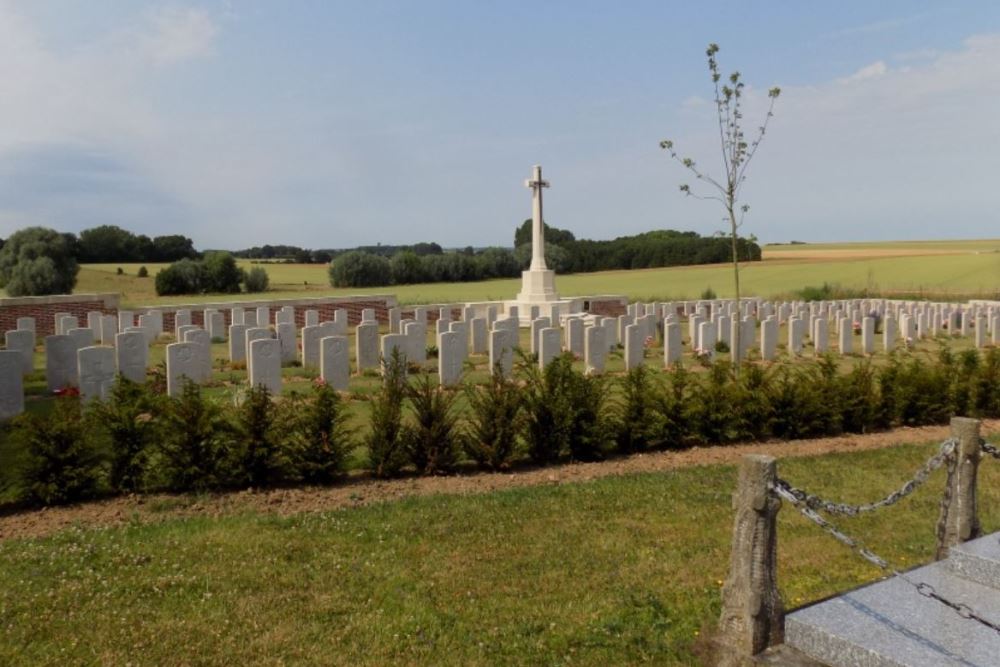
(126, 319)
(22, 341)
(501, 351)
(252, 334)
(548, 346)
(574, 337)
(263, 316)
(217, 326)
(449, 358)
(237, 343)
(201, 338)
(335, 361)
(312, 318)
(595, 349)
(633, 346)
(366, 346)
(26, 323)
(285, 332)
(479, 335)
(182, 366)
(132, 356)
(265, 364)
(82, 337)
(672, 347)
(97, 370)
(11, 384)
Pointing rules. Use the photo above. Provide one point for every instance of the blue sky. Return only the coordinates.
(334, 124)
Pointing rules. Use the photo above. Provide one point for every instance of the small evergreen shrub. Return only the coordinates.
(143, 272)
(432, 440)
(386, 438)
(548, 408)
(62, 463)
(491, 439)
(129, 418)
(196, 448)
(639, 424)
(320, 426)
(263, 439)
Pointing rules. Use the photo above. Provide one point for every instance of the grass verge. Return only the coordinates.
(617, 571)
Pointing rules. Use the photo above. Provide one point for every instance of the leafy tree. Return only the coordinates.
(256, 280)
(172, 248)
(109, 243)
(360, 269)
(737, 153)
(522, 234)
(37, 261)
(222, 275)
(407, 268)
(184, 277)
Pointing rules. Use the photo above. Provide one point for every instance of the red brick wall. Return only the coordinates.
(610, 307)
(44, 309)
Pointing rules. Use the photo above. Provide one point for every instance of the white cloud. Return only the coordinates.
(179, 35)
(872, 71)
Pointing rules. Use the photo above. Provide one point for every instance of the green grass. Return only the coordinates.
(616, 571)
(962, 268)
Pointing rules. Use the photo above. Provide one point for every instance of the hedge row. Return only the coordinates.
(141, 440)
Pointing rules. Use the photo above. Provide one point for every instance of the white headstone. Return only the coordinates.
(501, 351)
(595, 349)
(94, 322)
(82, 337)
(26, 323)
(548, 346)
(285, 332)
(201, 338)
(672, 348)
(11, 384)
(182, 318)
(252, 334)
(312, 318)
(537, 324)
(397, 342)
(633, 346)
(237, 315)
(449, 358)
(395, 315)
(64, 323)
(265, 364)
(479, 333)
(769, 338)
(335, 361)
(821, 337)
(183, 365)
(97, 370)
(416, 335)
(22, 341)
(217, 326)
(366, 346)
(461, 327)
(237, 343)
(126, 319)
(574, 337)
(132, 356)
(868, 335)
(263, 316)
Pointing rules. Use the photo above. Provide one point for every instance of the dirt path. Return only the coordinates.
(362, 490)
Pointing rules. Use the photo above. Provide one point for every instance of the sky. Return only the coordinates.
(329, 124)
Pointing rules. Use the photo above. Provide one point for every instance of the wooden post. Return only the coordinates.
(959, 518)
(753, 616)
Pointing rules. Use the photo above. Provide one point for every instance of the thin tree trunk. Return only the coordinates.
(737, 341)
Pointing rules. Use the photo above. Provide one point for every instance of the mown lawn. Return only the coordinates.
(617, 571)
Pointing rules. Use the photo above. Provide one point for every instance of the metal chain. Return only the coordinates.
(990, 449)
(815, 502)
(924, 589)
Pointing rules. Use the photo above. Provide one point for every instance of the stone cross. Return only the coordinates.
(537, 234)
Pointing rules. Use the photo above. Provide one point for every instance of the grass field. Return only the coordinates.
(936, 268)
(622, 570)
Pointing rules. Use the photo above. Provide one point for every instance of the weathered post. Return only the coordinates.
(959, 518)
(753, 617)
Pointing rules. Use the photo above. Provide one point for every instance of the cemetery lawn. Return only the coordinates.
(621, 570)
(933, 268)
